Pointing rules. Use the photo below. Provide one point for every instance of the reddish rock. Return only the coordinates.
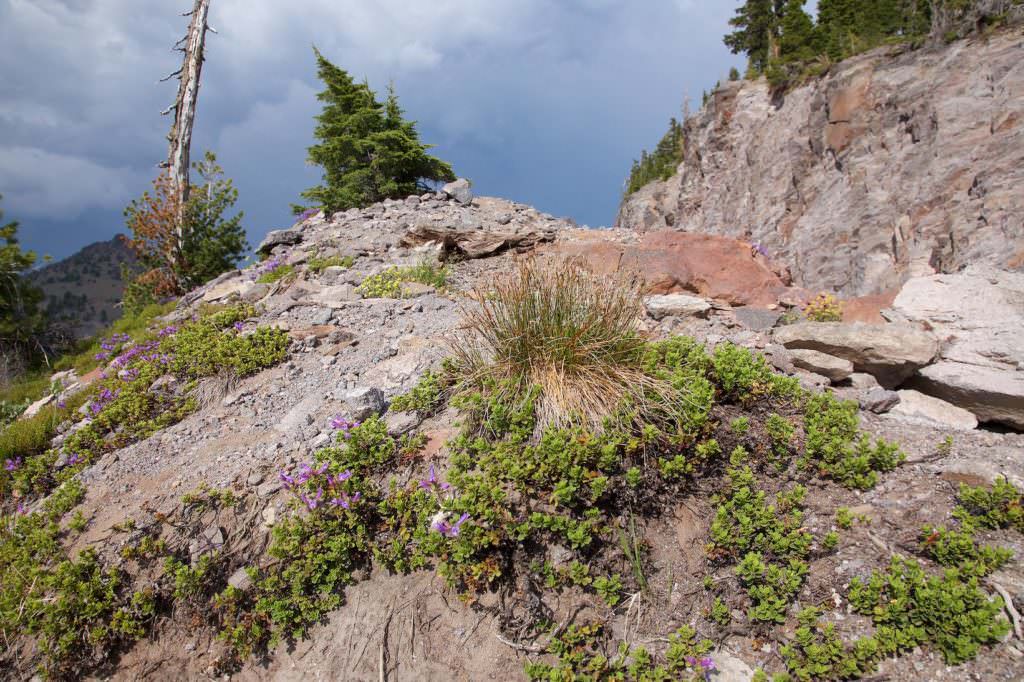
(711, 266)
(868, 308)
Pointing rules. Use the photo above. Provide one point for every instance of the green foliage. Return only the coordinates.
(844, 519)
(213, 243)
(832, 445)
(578, 658)
(284, 272)
(757, 27)
(816, 652)
(388, 283)
(661, 163)
(910, 608)
(317, 264)
(958, 548)
(428, 395)
(719, 612)
(367, 150)
(780, 432)
(1000, 506)
(22, 320)
(744, 376)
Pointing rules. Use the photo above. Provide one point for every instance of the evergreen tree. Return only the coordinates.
(367, 150)
(757, 24)
(213, 243)
(22, 320)
(661, 163)
(796, 39)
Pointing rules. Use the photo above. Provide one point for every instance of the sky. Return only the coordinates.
(546, 102)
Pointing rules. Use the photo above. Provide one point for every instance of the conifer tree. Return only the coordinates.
(757, 24)
(21, 318)
(796, 39)
(367, 150)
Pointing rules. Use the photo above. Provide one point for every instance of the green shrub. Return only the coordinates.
(832, 444)
(278, 274)
(1000, 506)
(950, 613)
(824, 308)
(317, 264)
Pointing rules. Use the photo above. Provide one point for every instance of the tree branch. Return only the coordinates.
(169, 77)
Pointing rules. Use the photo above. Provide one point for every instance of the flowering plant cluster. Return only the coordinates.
(307, 214)
(335, 490)
(110, 345)
(344, 426)
(272, 269)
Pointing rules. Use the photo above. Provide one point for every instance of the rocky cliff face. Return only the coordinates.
(894, 165)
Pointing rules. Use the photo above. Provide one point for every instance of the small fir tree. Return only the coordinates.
(796, 38)
(367, 150)
(22, 320)
(211, 245)
(757, 24)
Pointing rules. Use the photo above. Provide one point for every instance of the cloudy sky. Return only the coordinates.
(540, 101)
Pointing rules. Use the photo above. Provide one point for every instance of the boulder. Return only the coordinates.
(676, 305)
(918, 407)
(33, 409)
(235, 286)
(712, 267)
(891, 353)
(978, 315)
(992, 395)
(836, 369)
(460, 190)
(276, 238)
(757, 319)
(878, 400)
(364, 402)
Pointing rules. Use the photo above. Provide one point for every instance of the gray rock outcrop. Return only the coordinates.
(978, 316)
(887, 168)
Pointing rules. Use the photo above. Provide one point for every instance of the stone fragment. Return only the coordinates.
(33, 409)
(364, 402)
(863, 381)
(758, 319)
(274, 238)
(401, 423)
(240, 580)
(470, 243)
(415, 289)
(878, 400)
(836, 369)
(460, 191)
(891, 353)
(676, 305)
(992, 395)
(918, 407)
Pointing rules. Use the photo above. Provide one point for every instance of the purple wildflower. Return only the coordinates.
(101, 356)
(450, 530)
(21, 508)
(12, 464)
(307, 214)
(339, 423)
(74, 459)
(345, 501)
(758, 249)
(431, 482)
(707, 663)
(62, 404)
(239, 326)
(287, 480)
(340, 478)
(313, 501)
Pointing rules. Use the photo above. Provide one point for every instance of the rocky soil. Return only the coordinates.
(891, 166)
(350, 355)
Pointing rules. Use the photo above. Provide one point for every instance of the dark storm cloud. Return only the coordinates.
(540, 101)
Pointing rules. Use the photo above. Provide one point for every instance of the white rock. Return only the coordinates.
(918, 407)
(676, 305)
(836, 369)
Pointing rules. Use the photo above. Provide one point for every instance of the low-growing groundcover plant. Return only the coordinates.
(76, 609)
(388, 283)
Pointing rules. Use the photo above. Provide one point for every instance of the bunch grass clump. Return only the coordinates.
(563, 329)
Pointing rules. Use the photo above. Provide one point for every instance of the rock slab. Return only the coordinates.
(891, 353)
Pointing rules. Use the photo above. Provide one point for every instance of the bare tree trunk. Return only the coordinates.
(180, 137)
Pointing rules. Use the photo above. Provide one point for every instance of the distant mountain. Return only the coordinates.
(86, 288)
